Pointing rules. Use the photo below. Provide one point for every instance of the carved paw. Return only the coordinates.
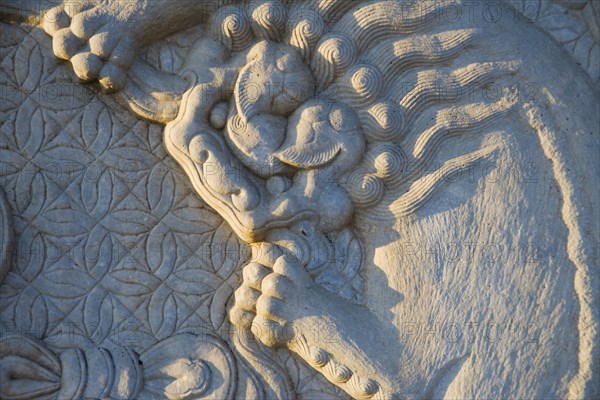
(92, 37)
(270, 300)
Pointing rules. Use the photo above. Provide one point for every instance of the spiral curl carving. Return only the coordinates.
(334, 55)
(383, 122)
(232, 27)
(365, 189)
(366, 81)
(387, 160)
(306, 28)
(268, 19)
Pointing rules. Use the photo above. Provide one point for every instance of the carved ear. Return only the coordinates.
(250, 92)
(309, 156)
(152, 94)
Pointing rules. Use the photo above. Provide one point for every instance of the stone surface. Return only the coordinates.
(312, 199)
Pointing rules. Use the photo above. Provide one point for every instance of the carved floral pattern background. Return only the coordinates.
(111, 241)
(573, 23)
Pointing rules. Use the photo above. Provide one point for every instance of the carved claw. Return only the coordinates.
(268, 300)
(93, 40)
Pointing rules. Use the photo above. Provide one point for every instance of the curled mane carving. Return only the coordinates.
(333, 39)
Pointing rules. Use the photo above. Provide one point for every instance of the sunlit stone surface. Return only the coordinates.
(314, 199)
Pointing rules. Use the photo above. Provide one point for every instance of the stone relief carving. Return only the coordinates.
(174, 368)
(574, 24)
(317, 131)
